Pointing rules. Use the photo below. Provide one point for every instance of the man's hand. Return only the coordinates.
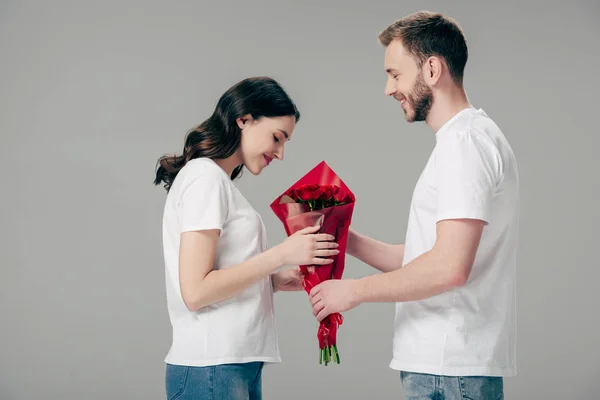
(333, 296)
(288, 280)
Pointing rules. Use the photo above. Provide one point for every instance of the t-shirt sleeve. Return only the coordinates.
(467, 170)
(204, 204)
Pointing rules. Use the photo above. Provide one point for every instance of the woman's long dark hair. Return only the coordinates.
(219, 136)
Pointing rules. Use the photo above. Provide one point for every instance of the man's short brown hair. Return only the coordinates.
(425, 34)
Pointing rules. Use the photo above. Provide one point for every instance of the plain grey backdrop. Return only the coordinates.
(92, 93)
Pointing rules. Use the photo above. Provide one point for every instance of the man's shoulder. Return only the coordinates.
(476, 127)
(475, 122)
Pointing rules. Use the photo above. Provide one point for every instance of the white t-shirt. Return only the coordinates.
(239, 329)
(469, 330)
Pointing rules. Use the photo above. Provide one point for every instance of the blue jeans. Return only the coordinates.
(435, 387)
(219, 382)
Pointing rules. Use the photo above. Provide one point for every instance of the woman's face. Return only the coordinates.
(263, 140)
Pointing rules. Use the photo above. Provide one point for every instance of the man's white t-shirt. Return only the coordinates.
(470, 330)
(241, 328)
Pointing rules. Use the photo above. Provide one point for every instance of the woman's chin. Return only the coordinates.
(254, 170)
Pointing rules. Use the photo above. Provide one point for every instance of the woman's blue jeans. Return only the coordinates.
(219, 382)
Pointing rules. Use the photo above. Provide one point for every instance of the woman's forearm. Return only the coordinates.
(200, 290)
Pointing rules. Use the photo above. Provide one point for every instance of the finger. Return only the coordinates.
(308, 230)
(324, 237)
(326, 253)
(321, 261)
(316, 300)
(322, 314)
(314, 291)
(317, 308)
(327, 245)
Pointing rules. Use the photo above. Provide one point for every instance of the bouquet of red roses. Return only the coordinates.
(320, 198)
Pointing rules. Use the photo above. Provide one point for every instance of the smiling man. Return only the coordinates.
(454, 279)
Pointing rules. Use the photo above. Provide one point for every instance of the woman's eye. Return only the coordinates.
(275, 138)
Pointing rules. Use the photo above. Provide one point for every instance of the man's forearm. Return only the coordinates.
(379, 255)
(425, 276)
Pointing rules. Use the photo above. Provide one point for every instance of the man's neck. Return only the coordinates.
(446, 105)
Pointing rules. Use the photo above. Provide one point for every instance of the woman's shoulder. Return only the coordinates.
(203, 167)
(198, 178)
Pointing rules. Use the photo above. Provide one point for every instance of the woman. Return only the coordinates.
(220, 276)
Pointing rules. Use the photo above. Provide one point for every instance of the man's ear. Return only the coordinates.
(244, 121)
(432, 70)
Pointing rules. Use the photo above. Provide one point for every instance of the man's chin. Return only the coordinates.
(412, 117)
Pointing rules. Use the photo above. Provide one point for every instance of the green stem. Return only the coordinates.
(336, 354)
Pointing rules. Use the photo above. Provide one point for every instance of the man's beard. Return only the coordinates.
(420, 99)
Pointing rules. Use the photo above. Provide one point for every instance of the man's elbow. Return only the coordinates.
(455, 268)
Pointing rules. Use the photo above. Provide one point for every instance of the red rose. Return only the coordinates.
(330, 192)
(309, 192)
(290, 193)
(346, 198)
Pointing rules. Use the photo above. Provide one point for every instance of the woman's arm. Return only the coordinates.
(202, 286)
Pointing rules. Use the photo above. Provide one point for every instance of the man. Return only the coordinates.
(453, 280)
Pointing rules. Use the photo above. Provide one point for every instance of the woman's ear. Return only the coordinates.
(244, 121)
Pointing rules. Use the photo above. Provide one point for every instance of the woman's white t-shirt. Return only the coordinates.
(239, 329)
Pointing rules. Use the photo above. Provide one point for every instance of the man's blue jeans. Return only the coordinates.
(219, 382)
(435, 387)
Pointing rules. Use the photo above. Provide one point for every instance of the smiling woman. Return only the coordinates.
(255, 115)
(220, 276)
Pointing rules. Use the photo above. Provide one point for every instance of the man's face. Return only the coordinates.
(406, 84)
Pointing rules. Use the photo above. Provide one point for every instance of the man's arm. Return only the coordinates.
(379, 255)
(466, 169)
(447, 265)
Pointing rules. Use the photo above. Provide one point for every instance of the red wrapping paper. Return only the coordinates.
(319, 183)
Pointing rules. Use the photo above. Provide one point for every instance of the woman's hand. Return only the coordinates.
(288, 280)
(306, 247)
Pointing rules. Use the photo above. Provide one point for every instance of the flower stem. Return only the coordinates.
(328, 354)
(336, 354)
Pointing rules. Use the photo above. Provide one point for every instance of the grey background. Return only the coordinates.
(91, 94)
